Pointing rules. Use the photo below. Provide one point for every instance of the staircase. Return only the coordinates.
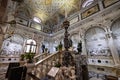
(40, 57)
(40, 69)
(4, 65)
(41, 66)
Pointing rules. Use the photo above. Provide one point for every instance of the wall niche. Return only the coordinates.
(96, 42)
(12, 45)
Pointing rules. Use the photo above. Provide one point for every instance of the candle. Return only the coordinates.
(66, 12)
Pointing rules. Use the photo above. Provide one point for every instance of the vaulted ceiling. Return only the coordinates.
(49, 12)
(51, 9)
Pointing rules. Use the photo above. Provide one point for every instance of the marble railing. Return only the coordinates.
(40, 57)
(42, 67)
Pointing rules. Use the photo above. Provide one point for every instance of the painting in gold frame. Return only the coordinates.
(90, 11)
(107, 3)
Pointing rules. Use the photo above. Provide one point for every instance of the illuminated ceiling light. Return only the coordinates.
(37, 20)
(68, 5)
(87, 3)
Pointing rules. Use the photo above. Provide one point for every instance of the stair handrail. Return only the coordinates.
(37, 63)
(40, 56)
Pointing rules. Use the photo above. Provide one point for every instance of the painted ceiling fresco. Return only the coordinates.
(47, 9)
(50, 13)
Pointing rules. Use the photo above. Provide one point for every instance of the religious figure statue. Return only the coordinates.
(79, 47)
(70, 43)
(43, 48)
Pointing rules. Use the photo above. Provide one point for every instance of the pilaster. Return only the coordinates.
(38, 48)
(112, 48)
(84, 52)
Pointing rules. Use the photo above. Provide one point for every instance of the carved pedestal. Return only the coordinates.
(81, 67)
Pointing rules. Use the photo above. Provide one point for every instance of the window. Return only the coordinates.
(30, 46)
(36, 19)
(87, 3)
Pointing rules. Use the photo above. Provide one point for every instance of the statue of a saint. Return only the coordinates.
(79, 47)
(43, 48)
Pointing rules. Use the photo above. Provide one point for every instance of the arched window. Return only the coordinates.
(30, 46)
(87, 3)
(36, 19)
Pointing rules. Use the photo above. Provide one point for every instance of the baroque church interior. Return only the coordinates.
(59, 40)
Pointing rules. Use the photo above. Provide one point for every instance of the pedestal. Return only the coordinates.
(81, 67)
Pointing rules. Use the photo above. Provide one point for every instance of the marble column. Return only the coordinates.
(38, 48)
(23, 49)
(1, 40)
(84, 51)
(100, 4)
(112, 47)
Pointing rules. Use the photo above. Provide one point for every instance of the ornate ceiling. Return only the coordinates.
(50, 9)
(49, 12)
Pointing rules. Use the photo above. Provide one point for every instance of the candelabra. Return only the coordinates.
(67, 57)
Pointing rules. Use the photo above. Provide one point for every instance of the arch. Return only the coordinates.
(114, 21)
(74, 33)
(30, 46)
(96, 36)
(92, 26)
(87, 3)
(31, 40)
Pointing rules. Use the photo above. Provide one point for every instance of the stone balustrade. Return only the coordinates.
(43, 66)
(40, 57)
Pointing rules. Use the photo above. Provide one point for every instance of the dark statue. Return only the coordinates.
(43, 48)
(79, 62)
(70, 43)
(67, 57)
(79, 47)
